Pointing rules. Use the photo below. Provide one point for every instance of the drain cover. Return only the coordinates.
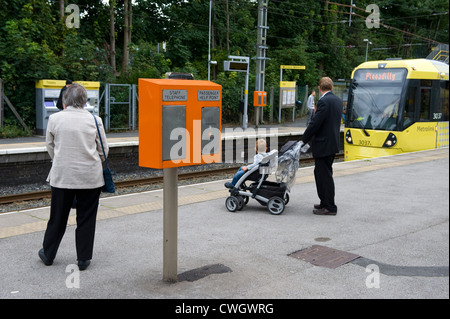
(324, 256)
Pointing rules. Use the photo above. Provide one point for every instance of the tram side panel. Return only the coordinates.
(418, 137)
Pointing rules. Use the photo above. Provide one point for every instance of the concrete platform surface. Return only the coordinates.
(393, 212)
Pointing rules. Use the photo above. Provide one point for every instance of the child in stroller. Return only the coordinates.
(274, 195)
(261, 148)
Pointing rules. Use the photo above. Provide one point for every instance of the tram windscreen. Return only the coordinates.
(374, 101)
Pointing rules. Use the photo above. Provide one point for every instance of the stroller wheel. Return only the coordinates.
(286, 198)
(241, 202)
(232, 203)
(275, 205)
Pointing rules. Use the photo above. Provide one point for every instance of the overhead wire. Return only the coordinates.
(381, 23)
(285, 12)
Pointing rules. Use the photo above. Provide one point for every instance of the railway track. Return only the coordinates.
(12, 198)
(119, 184)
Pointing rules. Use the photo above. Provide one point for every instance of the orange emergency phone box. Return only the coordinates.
(180, 123)
(259, 98)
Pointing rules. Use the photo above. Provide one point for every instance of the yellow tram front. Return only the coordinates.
(397, 106)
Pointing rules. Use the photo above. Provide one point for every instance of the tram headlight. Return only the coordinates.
(390, 141)
(348, 137)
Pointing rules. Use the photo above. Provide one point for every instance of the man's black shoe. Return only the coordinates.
(83, 264)
(323, 211)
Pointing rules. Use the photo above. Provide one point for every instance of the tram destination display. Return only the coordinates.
(380, 75)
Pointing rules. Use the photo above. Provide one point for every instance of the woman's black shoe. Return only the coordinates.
(44, 258)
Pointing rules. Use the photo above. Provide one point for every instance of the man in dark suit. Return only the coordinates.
(59, 103)
(324, 133)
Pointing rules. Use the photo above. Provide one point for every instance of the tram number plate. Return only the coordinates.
(364, 143)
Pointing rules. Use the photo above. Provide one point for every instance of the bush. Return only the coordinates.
(9, 131)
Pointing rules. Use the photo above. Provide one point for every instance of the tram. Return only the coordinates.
(396, 106)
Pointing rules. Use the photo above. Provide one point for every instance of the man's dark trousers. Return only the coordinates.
(323, 174)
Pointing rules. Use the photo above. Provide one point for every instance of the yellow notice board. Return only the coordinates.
(293, 67)
(288, 91)
(287, 84)
(287, 94)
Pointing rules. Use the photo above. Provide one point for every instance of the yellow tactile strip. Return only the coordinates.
(106, 212)
(109, 210)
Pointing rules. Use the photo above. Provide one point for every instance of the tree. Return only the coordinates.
(35, 43)
(128, 18)
(112, 36)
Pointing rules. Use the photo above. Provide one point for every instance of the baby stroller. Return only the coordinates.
(289, 161)
(270, 194)
(273, 195)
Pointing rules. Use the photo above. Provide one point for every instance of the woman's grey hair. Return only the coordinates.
(75, 95)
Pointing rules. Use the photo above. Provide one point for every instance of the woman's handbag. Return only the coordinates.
(109, 186)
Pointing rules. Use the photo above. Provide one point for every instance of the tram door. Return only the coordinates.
(411, 104)
(425, 100)
(418, 103)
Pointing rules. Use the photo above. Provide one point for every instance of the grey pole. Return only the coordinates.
(367, 50)
(245, 119)
(170, 224)
(209, 42)
(367, 46)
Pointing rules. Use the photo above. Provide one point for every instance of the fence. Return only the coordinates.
(121, 105)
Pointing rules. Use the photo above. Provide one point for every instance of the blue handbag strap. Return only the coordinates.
(101, 142)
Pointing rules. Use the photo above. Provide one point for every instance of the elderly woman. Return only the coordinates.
(73, 144)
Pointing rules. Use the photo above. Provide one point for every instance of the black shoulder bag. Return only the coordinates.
(109, 186)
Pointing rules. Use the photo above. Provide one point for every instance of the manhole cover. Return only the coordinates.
(324, 256)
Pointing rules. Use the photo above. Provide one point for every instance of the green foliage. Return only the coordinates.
(36, 44)
(230, 95)
(146, 62)
(10, 130)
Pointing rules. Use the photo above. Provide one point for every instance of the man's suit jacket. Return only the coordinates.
(324, 129)
(73, 144)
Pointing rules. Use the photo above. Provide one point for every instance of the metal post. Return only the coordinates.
(293, 109)
(261, 47)
(107, 108)
(245, 118)
(350, 16)
(130, 104)
(1, 103)
(279, 106)
(271, 105)
(367, 50)
(135, 97)
(170, 224)
(367, 46)
(209, 42)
